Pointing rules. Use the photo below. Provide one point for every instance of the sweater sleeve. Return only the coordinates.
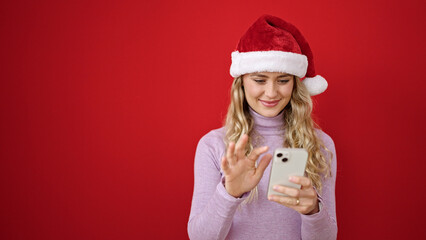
(323, 225)
(212, 208)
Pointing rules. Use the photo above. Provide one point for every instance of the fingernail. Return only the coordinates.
(275, 188)
(291, 178)
(270, 198)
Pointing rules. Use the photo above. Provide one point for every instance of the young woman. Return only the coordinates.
(270, 108)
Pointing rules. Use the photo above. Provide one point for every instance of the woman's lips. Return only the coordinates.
(269, 103)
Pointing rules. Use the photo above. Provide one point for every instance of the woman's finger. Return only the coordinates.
(292, 192)
(286, 201)
(254, 155)
(303, 181)
(230, 156)
(224, 164)
(301, 200)
(296, 193)
(240, 147)
(263, 164)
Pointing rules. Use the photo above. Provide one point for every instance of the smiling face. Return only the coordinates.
(268, 93)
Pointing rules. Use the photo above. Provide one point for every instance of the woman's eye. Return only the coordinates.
(259, 80)
(283, 81)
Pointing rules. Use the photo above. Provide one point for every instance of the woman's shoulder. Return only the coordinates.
(212, 146)
(325, 138)
(214, 138)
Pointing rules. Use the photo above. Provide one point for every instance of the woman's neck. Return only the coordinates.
(268, 125)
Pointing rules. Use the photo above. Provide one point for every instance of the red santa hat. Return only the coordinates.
(274, 45)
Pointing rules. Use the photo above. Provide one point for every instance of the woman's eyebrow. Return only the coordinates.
(264, 76)
(258, 75)
(285, 75)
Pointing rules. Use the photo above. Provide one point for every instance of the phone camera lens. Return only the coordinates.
(285, 159)
(279, 155)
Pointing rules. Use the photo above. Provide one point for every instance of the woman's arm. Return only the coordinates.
(212, 208)
(317, 211)
(215, 197)
(323, 225)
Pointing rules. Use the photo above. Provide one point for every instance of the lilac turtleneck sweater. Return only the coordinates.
(217, 215)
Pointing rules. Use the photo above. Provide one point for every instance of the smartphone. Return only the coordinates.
(286, 162)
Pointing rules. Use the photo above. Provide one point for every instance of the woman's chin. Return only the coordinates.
(269, 112)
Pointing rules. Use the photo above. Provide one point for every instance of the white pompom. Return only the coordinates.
(315, 85)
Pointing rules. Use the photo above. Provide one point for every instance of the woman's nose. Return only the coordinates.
(271, 91)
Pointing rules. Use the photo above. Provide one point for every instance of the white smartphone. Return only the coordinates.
(286, 162)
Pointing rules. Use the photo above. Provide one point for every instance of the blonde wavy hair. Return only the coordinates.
(299, 130)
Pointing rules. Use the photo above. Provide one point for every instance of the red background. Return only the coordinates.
(103, 103)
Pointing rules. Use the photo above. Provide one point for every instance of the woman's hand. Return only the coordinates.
(304, 200)
(241, 174)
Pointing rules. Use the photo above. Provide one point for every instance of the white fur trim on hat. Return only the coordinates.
(315, 85)
(268, 61)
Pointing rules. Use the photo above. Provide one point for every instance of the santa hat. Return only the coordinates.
(274, 45)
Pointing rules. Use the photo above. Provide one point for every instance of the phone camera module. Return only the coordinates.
(279, 155)
(285, 159)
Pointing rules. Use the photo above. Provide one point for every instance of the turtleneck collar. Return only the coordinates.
(268, 125)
